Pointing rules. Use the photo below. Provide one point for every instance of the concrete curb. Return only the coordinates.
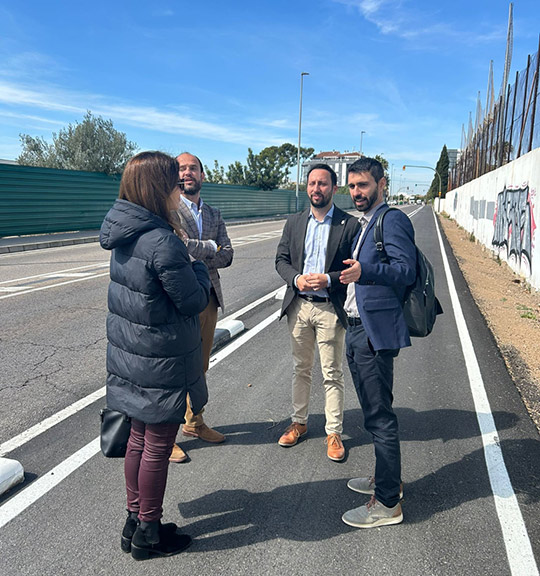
(38, 245)
(12, 472)
(226, 330)
(9, 244)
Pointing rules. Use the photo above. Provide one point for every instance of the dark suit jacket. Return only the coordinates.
(381, 288)
(213, 228)
(290, 255)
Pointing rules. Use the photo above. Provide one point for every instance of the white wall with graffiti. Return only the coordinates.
(502, 210)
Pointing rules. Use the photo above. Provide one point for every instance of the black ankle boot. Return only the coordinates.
(132, 521)
(153, 539)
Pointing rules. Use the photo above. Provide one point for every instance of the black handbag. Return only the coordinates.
(115, 430)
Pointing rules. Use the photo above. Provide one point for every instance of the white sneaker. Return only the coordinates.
(373, 514)
(367, 486)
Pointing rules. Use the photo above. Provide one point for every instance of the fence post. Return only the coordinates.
(535, 95)
(513, 116)
(524, 113)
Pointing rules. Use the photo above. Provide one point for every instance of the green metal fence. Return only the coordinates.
(43, 200)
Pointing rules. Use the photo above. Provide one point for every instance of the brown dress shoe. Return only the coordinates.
(335, 449)
(204, 433)
(177, 455)
(293, 433)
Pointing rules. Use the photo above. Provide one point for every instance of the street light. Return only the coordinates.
(361, 138)
(299, 136)
(429, 168)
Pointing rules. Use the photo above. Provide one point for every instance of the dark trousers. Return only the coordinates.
(145, 467)
(373, 375)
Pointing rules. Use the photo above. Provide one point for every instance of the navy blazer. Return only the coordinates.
(380, 289)
(291, 252)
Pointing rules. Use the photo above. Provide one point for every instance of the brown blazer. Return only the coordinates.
(213, 228)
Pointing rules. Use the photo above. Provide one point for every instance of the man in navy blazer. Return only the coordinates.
(310, 258)
(376, 331)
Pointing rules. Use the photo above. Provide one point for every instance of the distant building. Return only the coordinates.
(336, 160)
(2, 161)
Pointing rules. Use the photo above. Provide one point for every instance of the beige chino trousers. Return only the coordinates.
(310, 324)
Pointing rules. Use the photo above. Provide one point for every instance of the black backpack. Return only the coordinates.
(420, 306)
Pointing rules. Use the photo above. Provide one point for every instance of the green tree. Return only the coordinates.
(236, 174)
(442, 170)
(269, 169)
(92, 145)
(216, 174)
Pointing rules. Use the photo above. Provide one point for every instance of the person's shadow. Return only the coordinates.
(311, 511)
(414, 426)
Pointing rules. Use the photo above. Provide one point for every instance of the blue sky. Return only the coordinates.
(217, 77)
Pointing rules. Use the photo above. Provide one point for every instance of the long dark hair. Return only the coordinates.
(148, 180)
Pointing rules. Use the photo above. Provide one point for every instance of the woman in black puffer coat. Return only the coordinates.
(154, 342)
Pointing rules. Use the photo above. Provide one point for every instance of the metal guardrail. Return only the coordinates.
(44, 200)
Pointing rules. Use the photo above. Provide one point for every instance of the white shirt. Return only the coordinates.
(350, 307)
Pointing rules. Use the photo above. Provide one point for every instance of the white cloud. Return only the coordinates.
(160, 120)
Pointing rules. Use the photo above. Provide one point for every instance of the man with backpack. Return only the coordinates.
(376, 331)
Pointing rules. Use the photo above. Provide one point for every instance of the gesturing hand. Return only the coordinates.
(352, 273)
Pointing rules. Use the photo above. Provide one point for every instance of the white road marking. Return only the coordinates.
(47, 482)
(81, 276)
(53, 420)
(40, 487)
(27, 291)
(516, 539)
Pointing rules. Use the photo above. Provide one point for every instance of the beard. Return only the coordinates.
(320, 203)
(192, 189)
(367, 203)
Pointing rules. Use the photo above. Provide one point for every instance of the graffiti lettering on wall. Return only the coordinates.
(514, 224)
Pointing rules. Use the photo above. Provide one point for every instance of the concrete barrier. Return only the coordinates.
(502, 210)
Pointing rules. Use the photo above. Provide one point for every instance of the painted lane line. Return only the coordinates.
(254, 304)
(49, 422)
(40, 487)
(22, 292)
(58, 272)
(516, 539)
(241, 340)
(43, 426)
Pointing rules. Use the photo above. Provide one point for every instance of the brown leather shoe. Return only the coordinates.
(177, 455)
(335, 449)
(204, 433)
(293, 433)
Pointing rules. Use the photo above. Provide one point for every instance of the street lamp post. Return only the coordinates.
(429, 168)
(361, 138)
(299, 136)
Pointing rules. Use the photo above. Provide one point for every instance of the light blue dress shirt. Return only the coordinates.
(315, 245)
(196, 211)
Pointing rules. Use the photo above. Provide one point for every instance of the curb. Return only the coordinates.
(226, 330)
(12, 472)
(10, 244)
(46, 244)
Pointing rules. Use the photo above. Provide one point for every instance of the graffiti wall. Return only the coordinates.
(502, 210)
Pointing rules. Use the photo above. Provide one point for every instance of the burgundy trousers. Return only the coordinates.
(145, 467)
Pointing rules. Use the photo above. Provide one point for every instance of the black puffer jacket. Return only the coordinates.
(155, 297)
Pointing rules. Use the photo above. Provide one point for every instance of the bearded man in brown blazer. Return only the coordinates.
(206, 239)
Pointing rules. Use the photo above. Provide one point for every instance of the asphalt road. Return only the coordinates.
(470, 451)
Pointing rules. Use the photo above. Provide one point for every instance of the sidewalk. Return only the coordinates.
(23, 243)
(10, 244)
